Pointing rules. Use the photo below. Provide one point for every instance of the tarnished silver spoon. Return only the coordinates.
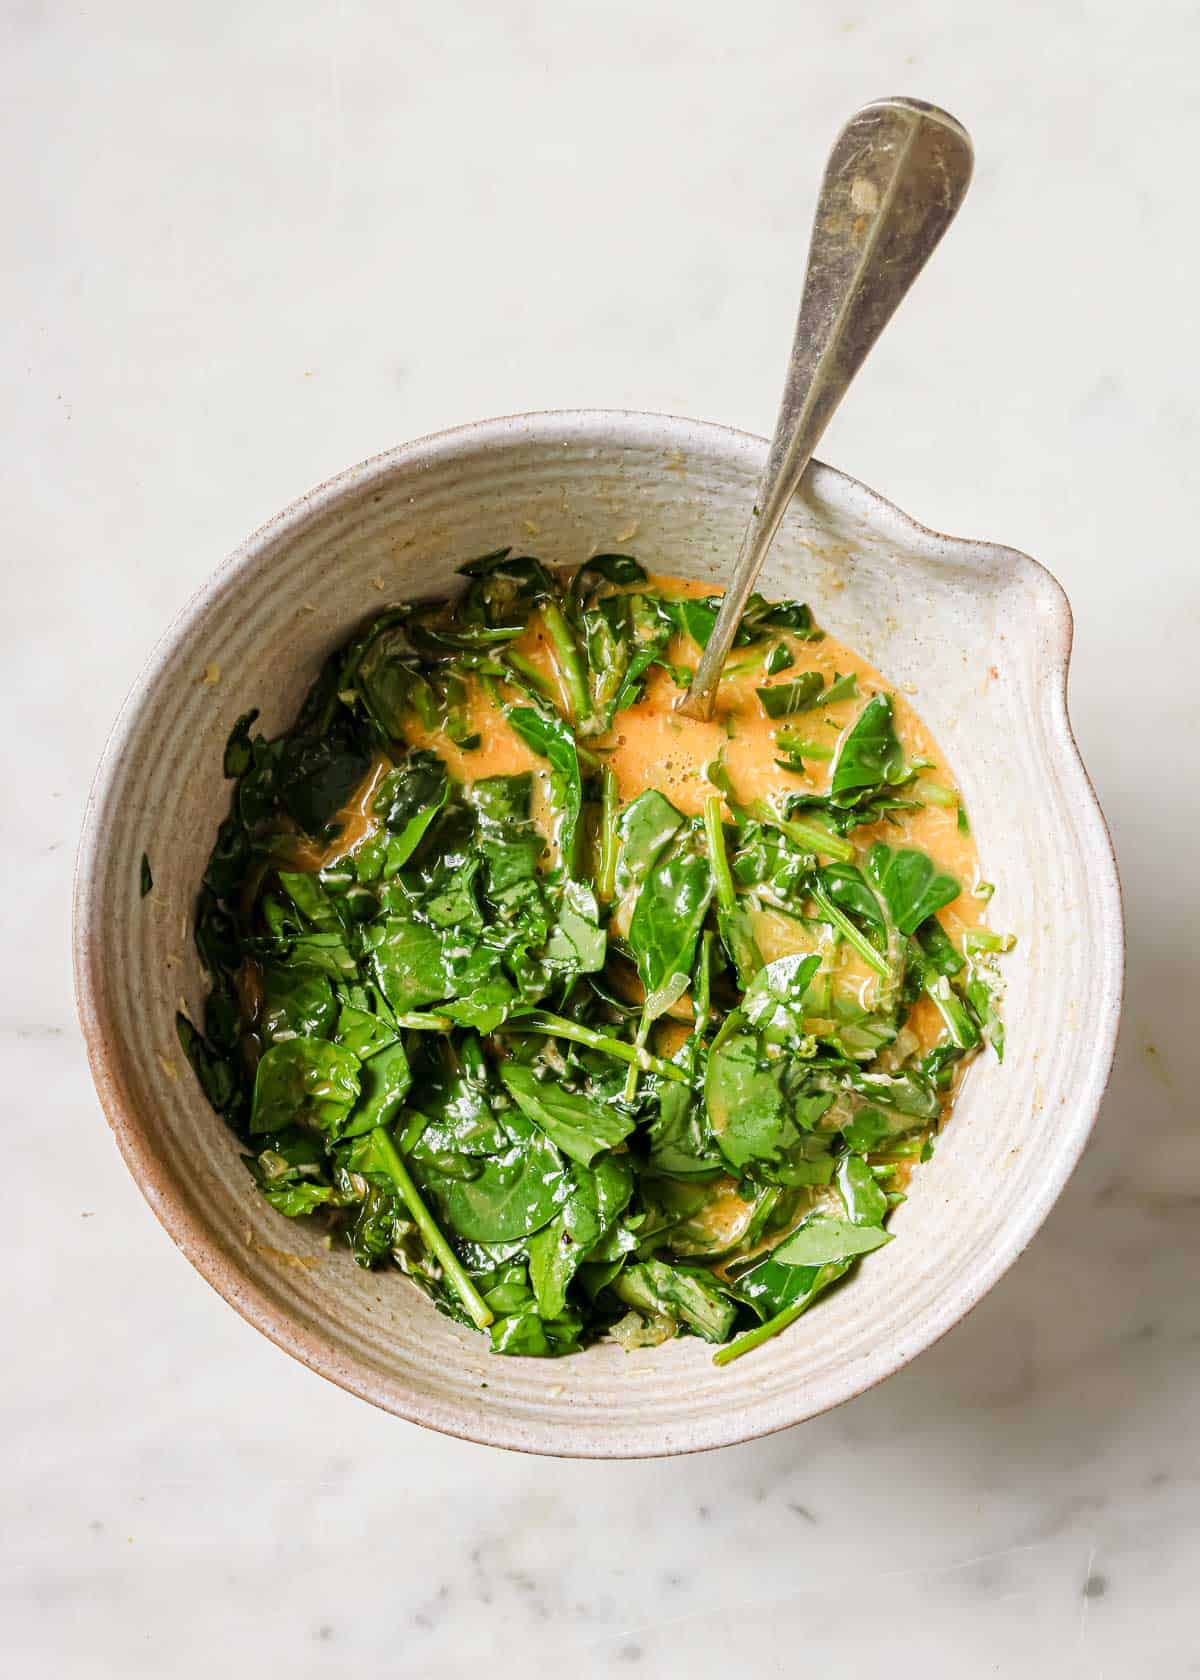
(895, 178)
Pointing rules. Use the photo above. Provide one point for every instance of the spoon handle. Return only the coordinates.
(895, 178)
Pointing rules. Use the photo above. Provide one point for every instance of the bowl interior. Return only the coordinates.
(978, 635)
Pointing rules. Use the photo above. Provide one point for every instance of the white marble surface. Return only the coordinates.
(247, 246)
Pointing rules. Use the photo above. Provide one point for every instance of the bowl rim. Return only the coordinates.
(188, 1231)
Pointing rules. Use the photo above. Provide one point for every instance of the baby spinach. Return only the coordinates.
(553, 739)
(388, 680)
(408, 800)
(681, 1145)
(581, 1126)
(216, 1074)
(314, 779)
(544, 1067)
(683, 1293)
(367, 1029)
(911, 1093)
(784, 699)
(806, 1283)
(866, 1203)
(823, 1239)
(666, 923)
(748, 1110)
(733, 917)
(597, 1200)
(774, 1000)
(770, 1287)
(938, 951)
(296, 1003)
(793, 616)
(870, 757)
(840, 688)
(511, 1194)
(553, 1261)
(410, 962)
(913, 887)
(239, 750)
(384, 1082)
(697, 617)
(305, 1082)
(577, 943)
(646, 825)
(606, 568)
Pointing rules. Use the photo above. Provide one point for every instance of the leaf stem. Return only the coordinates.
(983, 939)
(836, 917)
(413, 1132)
(557, 1026)
(639, 1044)
(606, 862)
(569, 660)
(472, 1300)
(934, 794)
(799, 746)
(528, 670)
(714, 831)
(960, 1027)
(702, 986)
(764, 1332)
(810, 837)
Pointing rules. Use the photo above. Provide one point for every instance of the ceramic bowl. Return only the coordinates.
(978, 635)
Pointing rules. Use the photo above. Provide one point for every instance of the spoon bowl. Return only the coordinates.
(894, 181)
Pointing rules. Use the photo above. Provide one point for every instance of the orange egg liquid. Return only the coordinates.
(652, 745)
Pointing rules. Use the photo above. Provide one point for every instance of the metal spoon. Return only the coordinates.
(895, 178)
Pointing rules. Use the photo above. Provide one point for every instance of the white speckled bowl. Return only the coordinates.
(982, 634)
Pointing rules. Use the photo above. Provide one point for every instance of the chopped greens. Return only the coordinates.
(583, 1067)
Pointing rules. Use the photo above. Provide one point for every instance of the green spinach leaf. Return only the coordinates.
(748, 1112)
(409, 961)
(512, 1194)
(823, 1239)
(305, 1082)
(666, 922)
(645, 828)
(296, 1003)
(582, 1127)
(785, 699)
(681, 1292)
(870, 757)
(553, 739)
(913, 887)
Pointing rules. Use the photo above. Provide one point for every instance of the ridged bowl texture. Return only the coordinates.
(977, 635)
